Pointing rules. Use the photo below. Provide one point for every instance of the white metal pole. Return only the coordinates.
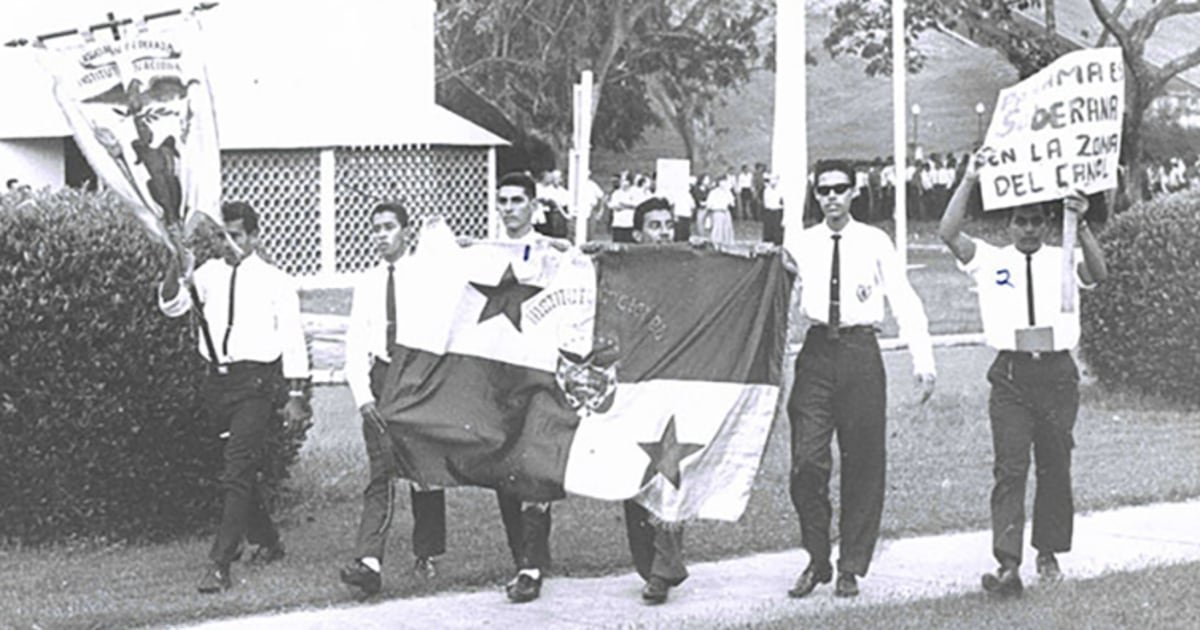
(493, 219)
(789, 138)
(583, 155)
(900, 129)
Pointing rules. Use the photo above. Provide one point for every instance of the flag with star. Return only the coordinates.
(649, 373)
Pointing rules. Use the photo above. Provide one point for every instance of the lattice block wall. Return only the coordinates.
(284, 187)
(450, 181)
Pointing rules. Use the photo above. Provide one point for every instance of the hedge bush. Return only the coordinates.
(101, 432)
(1141, 328)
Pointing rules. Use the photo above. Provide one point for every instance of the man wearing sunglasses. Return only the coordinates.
(1035, 384)
(846, 270)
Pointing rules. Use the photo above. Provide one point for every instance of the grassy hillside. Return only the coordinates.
(849, 113)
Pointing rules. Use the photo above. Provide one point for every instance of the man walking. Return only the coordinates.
(1034, 381)
(846, 269)
(252, 338)
(368, 342)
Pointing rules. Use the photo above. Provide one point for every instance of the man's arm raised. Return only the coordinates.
(950, 229)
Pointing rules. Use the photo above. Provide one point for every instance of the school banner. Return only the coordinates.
(141, 111)
(1057, 131)
(649, 374)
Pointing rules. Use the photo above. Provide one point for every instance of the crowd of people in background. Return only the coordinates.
(1169, 175)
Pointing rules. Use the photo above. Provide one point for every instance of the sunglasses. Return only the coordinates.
(1032, 221)
(836, 189)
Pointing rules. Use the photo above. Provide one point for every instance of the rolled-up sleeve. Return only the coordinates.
(291, 330)
(358, 355)
(910, 314)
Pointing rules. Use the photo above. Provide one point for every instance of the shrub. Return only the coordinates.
(101, 431)
(1141, 328)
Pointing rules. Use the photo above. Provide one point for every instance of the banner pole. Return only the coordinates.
(111, 24)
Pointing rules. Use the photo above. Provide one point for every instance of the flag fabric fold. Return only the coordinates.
(648, 373)
(141, 110)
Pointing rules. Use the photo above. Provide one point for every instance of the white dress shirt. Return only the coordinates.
(999, 275)
(869, 270)
(266, 316)
(366, 337)
(719, 198)
(623, 202)
(773, 197)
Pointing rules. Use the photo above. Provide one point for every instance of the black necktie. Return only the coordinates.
(391, 307)
(835, 293)
(229, 322)
(1029, 287)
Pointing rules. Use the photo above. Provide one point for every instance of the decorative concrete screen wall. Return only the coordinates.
(314, 203)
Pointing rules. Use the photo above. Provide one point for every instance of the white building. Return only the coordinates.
(323, 109)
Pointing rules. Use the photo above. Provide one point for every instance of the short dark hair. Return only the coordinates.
(10, 182)
(523, 180)
(825, 166)
(395, 208)
(240, 211)
(653, 204)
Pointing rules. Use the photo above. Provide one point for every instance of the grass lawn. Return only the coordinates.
(1163, 597)
(1129, 451)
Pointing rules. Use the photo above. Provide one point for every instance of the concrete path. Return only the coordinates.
(746, 591)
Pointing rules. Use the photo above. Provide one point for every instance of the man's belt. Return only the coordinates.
(1034, 356)
(861, 329)
(240, 367)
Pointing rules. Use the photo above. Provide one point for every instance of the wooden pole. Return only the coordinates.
(1069, 228)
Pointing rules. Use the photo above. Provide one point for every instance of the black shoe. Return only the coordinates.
(425, 568)
(846, 586)
(362, 577)
(215, 579)
(809, 580)
(655, 591)
(1005, 582)
(266, 554)
(1047, 568)
(523, 588)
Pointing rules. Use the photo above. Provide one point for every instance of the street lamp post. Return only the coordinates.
(916, 116)
(979, 111)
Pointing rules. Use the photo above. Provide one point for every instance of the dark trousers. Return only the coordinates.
(773, 226)
(1033, 401)
(683, 228)
(379, 497)
(527, 527)
(657, 550)
(840, 388)
(622, 235)
(244, 396)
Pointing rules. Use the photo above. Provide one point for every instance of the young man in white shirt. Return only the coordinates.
(846, 269)
(368, 354)
(1035, 383)
(252, 338)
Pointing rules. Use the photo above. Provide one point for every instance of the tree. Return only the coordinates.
(510, 64)
(863, 28)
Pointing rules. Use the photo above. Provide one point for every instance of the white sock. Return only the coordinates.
(372, 564)
(533, 573)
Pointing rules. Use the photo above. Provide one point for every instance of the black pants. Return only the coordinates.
(657, 550)
(379, 497)
(841, 388)
(1033, 402)
(773, 226)
(683, 229)
(246, 397)
(622, 235)
(527, 527)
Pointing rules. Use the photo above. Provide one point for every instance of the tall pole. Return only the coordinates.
(899, 129)
(580, 157)
(789, 137)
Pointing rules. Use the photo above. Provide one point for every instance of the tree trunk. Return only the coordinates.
(1131, 142)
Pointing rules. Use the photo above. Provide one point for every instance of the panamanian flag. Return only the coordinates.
(649, 373)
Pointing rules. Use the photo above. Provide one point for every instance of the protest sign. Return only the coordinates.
(1057, 131)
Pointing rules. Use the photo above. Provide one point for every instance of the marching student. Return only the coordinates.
(252, 339)
(1034, 381)
(846, 270)
(371, 333)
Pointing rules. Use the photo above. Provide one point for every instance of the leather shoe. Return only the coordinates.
(1047, 568)
(362, 577)
(656, 590)
(524, 588)
(846, 586)
(215, 579)
(266, 554)
(1005, 582)
(809, 580)
(425, 568)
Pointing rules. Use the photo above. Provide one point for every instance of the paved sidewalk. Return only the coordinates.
(753, 589)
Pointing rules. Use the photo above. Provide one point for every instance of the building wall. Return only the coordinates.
(38, 162)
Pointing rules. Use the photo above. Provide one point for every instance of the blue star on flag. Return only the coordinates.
(506, 297)
(666, 455)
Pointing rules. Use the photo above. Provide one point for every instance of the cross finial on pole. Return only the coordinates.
(113, 25)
